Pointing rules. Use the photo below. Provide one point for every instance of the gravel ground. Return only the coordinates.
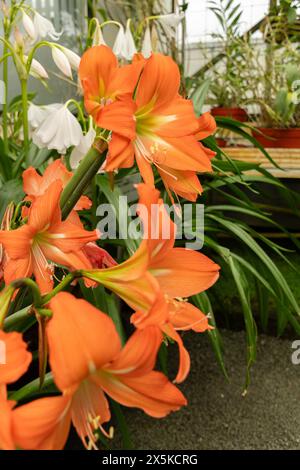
(218, 415)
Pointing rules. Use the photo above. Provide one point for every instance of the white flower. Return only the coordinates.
(81, 150)
(147, 43)
(44, 27)
(119, 42)
(129, 48)
(124, 46)
(98, 39)
(170, 22)
(28, 25)
(72, 57)
(36, 69)
(38, 114)
(62, 61)
(60, 130)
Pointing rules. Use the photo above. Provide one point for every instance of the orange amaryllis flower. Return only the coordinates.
(14, 357)
(129, 280)
(107, 88)
(166, 126)
(32, 426)
(180, 273)
(89, 362)
(45, 238)
(35, 185)
(38, 425)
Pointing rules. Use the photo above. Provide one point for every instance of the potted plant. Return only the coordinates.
(227, 87)
(281, 125)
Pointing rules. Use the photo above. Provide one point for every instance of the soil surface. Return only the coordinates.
(218, 416)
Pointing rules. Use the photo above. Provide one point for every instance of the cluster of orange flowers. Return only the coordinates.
(140, 104)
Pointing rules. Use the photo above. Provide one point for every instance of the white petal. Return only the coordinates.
(60, 130)
(37, 69)
(172, 19)
(147, 44)
(79, 152)
(28, 25)
(119, 42)
(62, 62)
(129, 48)
(73, 58)
(170, 23)
(44, 27)
(98, 39)
(37, 114)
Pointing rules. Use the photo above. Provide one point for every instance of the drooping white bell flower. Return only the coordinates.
(62, 62)
(129, 48)
(38, 114)
(79, 152)
(119, 42)
(72, 57)
(60, 131)
(28, 25)
(170, 22)
(43, 28)
(36, 69)
(147, 43)
(98, 39)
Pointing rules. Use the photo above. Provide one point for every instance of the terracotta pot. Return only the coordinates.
(279, 138)
(239, 114)
(221, 142)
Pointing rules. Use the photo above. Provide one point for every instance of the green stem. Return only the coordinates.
(11, 321)
(25, 113)
(62, 285)
(84, 174)
(33, 388)
(26, 281)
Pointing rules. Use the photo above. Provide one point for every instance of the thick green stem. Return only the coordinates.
(84, 174)
(25, 112)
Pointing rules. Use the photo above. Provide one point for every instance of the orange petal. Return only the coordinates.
(69, 237)
(151, 392)
(16, 357)
(182, 153)
(185, 316)
(118, 117)
(92, 340)
(42, 424)
(159, 230)
(184, 272)
(180, 119)
(184, 357)
(17, 242)
(45, 210)
(121, 153)
(157, 315)
(184, 183)
(6, 430)
(206, 126)
(139, 354)
(32, 182)
(16, 269)
(97, 67)
(155, 86)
